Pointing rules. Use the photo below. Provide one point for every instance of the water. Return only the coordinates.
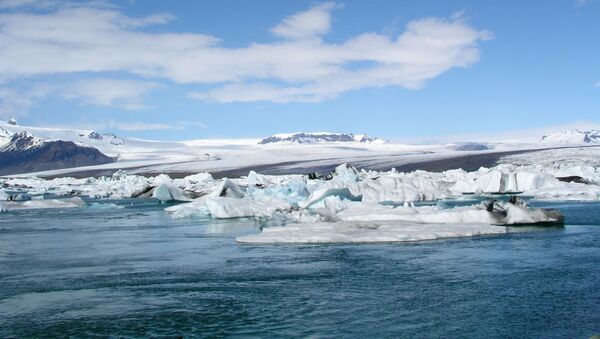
(133, 271)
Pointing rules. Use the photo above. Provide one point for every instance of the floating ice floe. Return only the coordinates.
(366, 232)
(42, 204)
(352, 222)
(105, 206)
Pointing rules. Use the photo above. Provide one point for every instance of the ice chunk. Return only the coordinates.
(366, 232)
(530, 181)
(237, 208)
(168, 192)
(292, 191)
(330, 189)
(21, 197)
(334, 204)
(197, 183)
(198, 178)
(389, 189)
(526, 215)
(255, 179)
(227, 188)
(42, 204)
(490, 182)
(196, 208)
(503, 214)
(105, 206)
(345, 173)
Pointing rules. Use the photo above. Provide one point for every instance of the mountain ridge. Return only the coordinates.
(320, 137)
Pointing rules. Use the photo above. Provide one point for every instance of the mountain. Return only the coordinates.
(107, 142)
(25, 153)
(573, 136)
(473, 146)
(320, 137)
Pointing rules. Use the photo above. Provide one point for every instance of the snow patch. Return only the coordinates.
(573, 136)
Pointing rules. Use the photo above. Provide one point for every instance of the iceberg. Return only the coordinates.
(168, 192)
(238, 208)
(227, 188)
(328, 191)
(196, 208)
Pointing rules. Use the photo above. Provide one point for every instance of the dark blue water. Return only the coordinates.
(136, 272)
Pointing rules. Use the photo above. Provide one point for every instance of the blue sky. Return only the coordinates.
(222, 69)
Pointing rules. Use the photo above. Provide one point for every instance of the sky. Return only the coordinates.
(399, 70)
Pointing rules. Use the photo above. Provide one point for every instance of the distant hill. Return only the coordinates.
(320, 137)
(573, 136)
(25, 153)
(473, 146)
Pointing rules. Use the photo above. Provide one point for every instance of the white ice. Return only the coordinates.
(366, 232)
(42, 204)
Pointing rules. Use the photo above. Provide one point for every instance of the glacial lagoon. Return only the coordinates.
(126, 268)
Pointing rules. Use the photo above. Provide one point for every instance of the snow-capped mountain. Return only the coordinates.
(104, 141)
(21, 142)
(320, 137)
(573, 136)
(26, 153)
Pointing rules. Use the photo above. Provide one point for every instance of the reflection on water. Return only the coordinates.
(128, 269)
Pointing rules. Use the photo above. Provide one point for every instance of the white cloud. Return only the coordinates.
(427, 48)
(310, 23)
(12, 4)
(297, 66)
(121, 93)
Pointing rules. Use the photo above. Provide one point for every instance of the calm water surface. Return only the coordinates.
(134, 271)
